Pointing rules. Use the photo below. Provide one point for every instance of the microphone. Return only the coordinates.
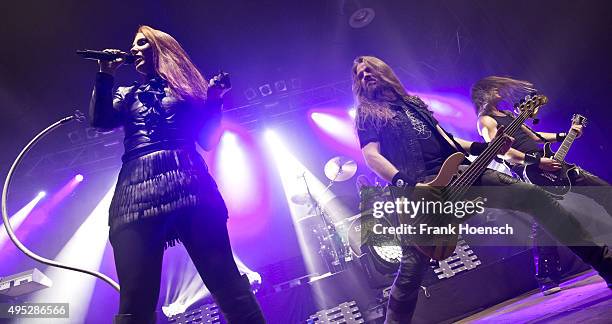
(104, 56)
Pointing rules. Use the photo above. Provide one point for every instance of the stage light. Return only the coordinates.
(361, 17)
(353, 112)
(84, 249)
(280, 85)
(228, 138)
(250, 94)
(294, 176)
(270, 135)
(337, 126)
(184, 286)
(174, 309)
(78, 178)
(234, 171)
(327, 122)
(334, 125)
(20, 216)
(237, 167)
(265, 90)
(448, 109)
(39, 215)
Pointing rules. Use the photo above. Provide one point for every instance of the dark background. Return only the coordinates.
(561, 46)
(434, 46)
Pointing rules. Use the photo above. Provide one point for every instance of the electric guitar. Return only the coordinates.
(556, 182)
(451, 184)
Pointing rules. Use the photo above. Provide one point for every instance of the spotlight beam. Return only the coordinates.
(85, 249)
(292, 174)
(20, 216)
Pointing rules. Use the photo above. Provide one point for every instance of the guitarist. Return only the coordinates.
(487, 94)
(403, 143)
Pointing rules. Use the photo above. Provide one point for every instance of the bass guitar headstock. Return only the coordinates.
(530, 105)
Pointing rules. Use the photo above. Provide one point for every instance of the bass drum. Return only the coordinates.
(385, 253)
(356, 238)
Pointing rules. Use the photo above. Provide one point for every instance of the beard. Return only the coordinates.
(379, 92)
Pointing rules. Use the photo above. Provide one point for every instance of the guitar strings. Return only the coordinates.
(461, 184)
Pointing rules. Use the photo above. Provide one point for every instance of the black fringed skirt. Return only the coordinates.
(168, 184)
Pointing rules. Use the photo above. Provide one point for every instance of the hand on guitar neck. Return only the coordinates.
(578, 129)
(548, 164)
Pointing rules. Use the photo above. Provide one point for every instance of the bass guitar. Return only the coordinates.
(451, 184)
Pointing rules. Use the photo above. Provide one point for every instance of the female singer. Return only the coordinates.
(164, 193)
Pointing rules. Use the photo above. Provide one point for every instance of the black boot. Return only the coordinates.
(238, 303)
(134, 319)
(599, 257)
(548, 268)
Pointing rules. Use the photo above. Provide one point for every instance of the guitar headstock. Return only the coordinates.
(578, 119)
(530, 105)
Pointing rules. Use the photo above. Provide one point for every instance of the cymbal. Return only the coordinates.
(300, 199)
(340, 168)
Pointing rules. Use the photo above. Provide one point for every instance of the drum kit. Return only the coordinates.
(331, 234)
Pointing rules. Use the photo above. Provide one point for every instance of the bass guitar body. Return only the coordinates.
(439, 246)
(436, 231)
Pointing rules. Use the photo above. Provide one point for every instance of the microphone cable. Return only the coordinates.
(80, 117)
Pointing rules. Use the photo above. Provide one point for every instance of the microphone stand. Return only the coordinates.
(334, 254)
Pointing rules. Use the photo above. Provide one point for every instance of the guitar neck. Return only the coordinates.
(467, 178)
(565, 146)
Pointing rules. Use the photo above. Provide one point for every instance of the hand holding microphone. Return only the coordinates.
(111, 66)
(109, 59)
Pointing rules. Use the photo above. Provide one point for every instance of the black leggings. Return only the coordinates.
(139, 249)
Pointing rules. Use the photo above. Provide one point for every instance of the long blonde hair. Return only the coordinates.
(510, 90)
(377, 110)
(175, 66)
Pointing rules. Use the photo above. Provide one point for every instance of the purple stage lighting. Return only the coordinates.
(234, 170)
(39, 215)
(78, 177)
(448, 109)
(336, 128)
(18, 218)
(237, 166)
(335, 125)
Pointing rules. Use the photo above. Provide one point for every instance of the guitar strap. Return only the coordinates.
(426, 116)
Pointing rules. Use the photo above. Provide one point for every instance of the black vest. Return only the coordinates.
(522, 141)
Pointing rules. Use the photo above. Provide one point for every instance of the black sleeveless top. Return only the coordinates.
(522, 141)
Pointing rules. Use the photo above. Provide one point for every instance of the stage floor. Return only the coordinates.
(584, 298)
